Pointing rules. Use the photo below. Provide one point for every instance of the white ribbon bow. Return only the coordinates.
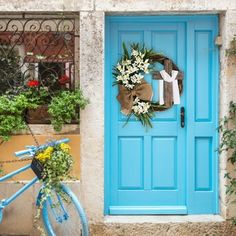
(170, 79)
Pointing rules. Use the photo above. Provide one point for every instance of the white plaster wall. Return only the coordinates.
(46, 5)
(170, 6)
(92, 118)
(173, 6)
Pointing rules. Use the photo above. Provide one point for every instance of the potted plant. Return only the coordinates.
(12, 111)
(41, 92)
(33, 106)
(40, 96)
(64, 108)
(56, 106)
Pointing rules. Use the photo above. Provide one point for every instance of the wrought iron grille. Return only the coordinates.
(39, 49)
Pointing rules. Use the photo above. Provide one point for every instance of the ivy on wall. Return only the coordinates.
(228, 138)
(232, 50)
(228, 144)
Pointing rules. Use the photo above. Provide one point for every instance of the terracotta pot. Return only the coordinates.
(39, 115)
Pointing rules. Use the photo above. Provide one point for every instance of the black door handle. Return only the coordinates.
(182, 117)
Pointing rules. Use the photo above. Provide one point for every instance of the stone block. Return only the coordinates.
(46, 6)
(168, 6)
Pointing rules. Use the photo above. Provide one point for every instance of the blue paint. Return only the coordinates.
(64, 215)
(16, 172)
(20, 191)
(169, 169)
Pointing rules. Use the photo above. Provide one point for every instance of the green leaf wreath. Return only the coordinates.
(129, 74)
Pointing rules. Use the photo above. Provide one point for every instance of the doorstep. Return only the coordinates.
(163, 219)
(163, 225)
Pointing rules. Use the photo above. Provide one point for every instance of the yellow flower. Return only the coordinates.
(41, 157)
(65, 147)
(46, 154)
(49, 150)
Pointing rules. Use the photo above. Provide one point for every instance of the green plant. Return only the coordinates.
(37, 95)
(64, 107)
(57, 164)
(228, 144)
(12, 114)
(232, 50)
(10, 69)
(129, 74)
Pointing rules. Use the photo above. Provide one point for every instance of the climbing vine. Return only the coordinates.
(232, 50)
(228, 144)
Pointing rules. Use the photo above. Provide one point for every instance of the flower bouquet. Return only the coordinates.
(53, 163)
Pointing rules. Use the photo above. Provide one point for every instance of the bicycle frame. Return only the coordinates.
(29, 152)
(8, 201)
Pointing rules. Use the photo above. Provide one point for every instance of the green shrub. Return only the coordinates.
(65, 106)
(12, 110)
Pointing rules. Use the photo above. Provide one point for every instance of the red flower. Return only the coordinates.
(33, 83)
(64, 79)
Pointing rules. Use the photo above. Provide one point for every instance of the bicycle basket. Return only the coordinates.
(37, 168)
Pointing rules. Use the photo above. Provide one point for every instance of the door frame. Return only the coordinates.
(107, 126)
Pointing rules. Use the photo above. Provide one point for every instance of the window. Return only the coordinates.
(37, 48)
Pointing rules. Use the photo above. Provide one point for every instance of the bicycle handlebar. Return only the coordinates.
(23, 152)
(32, 149)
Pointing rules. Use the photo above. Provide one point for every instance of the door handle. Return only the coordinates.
(182, 117)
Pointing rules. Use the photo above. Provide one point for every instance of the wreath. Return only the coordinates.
(135, 93)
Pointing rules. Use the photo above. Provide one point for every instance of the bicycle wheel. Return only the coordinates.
(67, 218)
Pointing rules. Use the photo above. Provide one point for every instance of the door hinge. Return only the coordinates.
(218, 41)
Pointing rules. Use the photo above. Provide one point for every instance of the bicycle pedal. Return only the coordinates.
(66, 216)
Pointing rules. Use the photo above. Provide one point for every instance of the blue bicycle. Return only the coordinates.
(65, 212)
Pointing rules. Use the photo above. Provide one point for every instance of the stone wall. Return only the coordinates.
(92, 15)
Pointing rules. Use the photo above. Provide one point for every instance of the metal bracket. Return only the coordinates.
(218, 41)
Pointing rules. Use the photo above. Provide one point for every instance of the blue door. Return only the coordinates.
(167, 169)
